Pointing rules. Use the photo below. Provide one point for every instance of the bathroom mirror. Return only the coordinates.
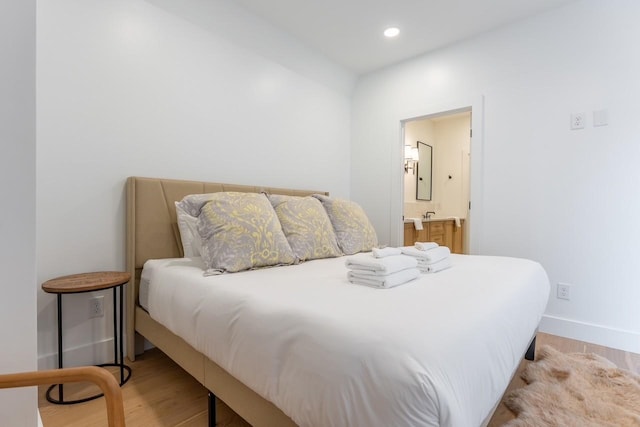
(423, 175)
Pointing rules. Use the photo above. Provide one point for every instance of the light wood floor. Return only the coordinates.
(161, 394)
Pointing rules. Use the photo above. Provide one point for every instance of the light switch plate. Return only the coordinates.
(600, 118)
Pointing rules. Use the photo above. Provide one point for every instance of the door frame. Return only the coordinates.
(474, 222)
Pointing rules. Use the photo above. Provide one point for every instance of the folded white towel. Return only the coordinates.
(417, 223)
(425, 246)
(386, 281)
(457, 221)
(431, 256)
(434, 267)
(385, 252)
(381, 266)
(373, 274)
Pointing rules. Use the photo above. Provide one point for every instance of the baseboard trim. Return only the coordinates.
(589, 332)
(88, 354)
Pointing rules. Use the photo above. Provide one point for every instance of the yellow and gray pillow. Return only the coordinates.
(241, 231)
(353, 229)
(307, 227)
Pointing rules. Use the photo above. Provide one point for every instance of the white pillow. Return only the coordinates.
(192, 203)
(187, 224)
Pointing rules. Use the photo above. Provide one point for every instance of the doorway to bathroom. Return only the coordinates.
(437, 159)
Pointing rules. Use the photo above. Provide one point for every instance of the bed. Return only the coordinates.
(300, 343)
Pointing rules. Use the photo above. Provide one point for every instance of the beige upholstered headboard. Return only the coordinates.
(152, 231)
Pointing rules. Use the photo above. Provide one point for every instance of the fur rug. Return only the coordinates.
(576, 389)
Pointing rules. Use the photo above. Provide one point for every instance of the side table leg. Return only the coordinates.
(118, 334)
(121, 336)
(115, 328)
(60, 390)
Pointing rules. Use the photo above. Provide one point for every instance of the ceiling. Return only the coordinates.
(349, 32)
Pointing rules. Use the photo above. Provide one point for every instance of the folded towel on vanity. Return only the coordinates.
(430, 256)
(457, 221)
(380, 266)
(383, 281)
(434, 267)
(385, 252)
(417, 223)
(425, 246)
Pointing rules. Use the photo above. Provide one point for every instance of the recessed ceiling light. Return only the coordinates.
(391, 32)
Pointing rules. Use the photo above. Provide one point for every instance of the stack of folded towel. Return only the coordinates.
(430, 256)
(384, 268)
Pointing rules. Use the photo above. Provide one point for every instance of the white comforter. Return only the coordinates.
(438, 351)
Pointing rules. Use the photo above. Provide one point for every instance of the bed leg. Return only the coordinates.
(531, 352)
(212, 410)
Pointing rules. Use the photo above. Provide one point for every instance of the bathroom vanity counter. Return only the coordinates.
(443, 231)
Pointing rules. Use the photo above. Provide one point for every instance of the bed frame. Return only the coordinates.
(152, 233)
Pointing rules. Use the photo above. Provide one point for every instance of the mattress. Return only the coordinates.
(437, 351)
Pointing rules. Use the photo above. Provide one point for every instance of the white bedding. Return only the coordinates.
(438, 351)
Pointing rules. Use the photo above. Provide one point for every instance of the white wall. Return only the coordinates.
(564, 198)
(18, 407)
(188, 90)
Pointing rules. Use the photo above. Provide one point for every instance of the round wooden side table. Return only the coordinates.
(88, 282)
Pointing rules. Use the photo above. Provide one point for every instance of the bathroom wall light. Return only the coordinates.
(411, 157)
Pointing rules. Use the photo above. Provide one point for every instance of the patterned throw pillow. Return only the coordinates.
(241, 231)
(352, 227)
(306, 226)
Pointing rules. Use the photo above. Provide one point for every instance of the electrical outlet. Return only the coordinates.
(564, 291)
(96, 307)
(577, 121)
